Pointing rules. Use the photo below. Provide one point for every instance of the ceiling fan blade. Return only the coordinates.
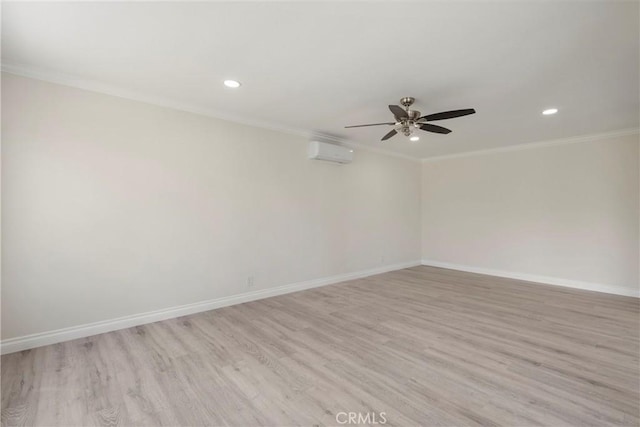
(398, 112)
(448, 114)
(373, 124)
(433, 128)
(389, 135)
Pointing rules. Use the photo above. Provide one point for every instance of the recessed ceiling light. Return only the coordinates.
(232, 83)
(550, 111)
(414, 138)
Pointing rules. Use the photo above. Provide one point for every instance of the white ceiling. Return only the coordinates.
(320, 66)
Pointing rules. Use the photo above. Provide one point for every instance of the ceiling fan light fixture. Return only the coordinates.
(414, 138)
(550, 111)
(232, 84)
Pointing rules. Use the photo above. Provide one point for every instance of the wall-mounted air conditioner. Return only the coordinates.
(330, 152)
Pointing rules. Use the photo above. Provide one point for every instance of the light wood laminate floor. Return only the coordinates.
(425, 346)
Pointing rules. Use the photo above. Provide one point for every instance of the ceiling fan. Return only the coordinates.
(407, 120)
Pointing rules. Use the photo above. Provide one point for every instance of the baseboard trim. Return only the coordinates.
(13, 345)
(587, 286)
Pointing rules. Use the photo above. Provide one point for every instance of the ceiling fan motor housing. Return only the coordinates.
(413, 114)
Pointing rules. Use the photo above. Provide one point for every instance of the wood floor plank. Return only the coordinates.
(425, 346)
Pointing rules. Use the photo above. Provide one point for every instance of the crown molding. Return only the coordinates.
(537, 144)
(95, 86)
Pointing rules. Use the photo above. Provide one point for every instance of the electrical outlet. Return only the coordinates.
(250, 282)
(382, 260)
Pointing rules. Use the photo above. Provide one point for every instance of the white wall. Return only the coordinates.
(113, 207)
(566, 214)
